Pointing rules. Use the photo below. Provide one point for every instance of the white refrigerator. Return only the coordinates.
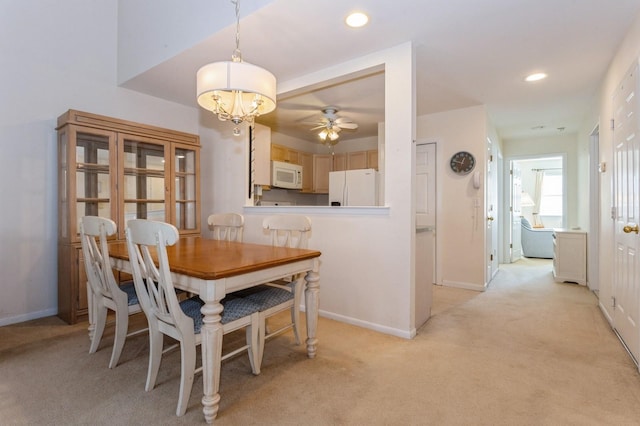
(353, 188)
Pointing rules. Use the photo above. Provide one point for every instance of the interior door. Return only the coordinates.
(492, 213)
(516, 211)
(426, 185)
(425, 175)
(626, 279)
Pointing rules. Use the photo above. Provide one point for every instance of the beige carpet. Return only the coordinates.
(527, 351)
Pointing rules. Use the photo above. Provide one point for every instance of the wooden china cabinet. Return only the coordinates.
(121, 170)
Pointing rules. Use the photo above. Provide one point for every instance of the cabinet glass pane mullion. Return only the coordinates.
(93, 175)
(144, 177)
(185, 188)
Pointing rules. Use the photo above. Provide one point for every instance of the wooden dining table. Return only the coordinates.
(212, 269)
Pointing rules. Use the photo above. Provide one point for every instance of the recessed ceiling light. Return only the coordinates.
(357, 20)
(536, 77)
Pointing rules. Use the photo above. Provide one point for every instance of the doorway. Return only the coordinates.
(425, 238)
(536, 191)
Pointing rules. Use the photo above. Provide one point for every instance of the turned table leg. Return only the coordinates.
(211, 356)
(312, 293)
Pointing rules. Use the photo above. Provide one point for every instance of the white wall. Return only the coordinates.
(460, 251)
(164, 35)
(57, 55)
(367, 263)
(628, 52)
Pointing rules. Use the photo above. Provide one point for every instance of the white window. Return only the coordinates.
(551, 198)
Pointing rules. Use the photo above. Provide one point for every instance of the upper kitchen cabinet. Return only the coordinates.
(322, 165)
(285, 154)
(372, 159)
(339, 162)
(355, 160)
(119, 170)
(306, 161)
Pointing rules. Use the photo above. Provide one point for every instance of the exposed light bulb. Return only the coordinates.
(357, 20)
(535, 77)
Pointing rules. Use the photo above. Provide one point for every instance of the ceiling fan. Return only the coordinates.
(330, 125)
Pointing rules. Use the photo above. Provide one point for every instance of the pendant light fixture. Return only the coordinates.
(235, 90)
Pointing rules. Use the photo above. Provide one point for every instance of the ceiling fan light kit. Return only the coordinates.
(330, 125)
(234, 90)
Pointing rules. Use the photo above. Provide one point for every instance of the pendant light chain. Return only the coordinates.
(237, 55)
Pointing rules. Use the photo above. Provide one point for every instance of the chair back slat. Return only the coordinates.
(226, 226)
(94, 232)
(288, 230)
(153, 280)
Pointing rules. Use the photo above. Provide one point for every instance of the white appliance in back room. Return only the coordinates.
(353, 188)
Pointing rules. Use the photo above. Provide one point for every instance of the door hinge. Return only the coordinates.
(491, 158)
(613, 123)
(491, 257)
(511, 246)
(613, 302)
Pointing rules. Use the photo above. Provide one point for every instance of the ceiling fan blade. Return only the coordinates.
(316, 121)
(351, 126)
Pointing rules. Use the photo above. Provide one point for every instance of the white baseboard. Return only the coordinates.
(405, 334)
(466, 286)
(28, 317)
(605, 313)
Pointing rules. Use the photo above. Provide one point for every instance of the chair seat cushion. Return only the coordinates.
(132, 296)
(270, 297)
(247, 291)
(234, 309)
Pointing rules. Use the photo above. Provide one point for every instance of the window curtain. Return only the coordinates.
(537, 196)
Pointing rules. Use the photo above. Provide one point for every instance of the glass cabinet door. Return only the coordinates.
(144, 170)
(186, 187)
(87, 179)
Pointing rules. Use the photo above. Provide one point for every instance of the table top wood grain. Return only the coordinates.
(213, 259)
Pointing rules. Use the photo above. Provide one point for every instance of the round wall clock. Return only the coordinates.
(462, 162)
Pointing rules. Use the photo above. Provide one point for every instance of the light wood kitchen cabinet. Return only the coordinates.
(357, 160)
(372, 159)
(322, 165)
(120, 170)
(278, 153)
(339, 162)
(306, 161)
(285, 154)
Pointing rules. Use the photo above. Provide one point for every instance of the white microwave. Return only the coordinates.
(286, 175)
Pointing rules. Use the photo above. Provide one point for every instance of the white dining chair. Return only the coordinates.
(181, 320)
(226, 226)
(103, 292)
(275, 297)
